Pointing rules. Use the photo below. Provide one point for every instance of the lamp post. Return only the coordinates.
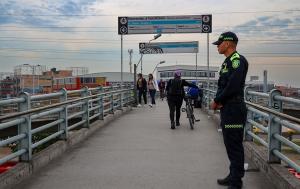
(130, 51)
(134, 78)
(154, 38)
(136, 65)
(161, 62)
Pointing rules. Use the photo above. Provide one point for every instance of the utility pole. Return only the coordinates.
(130, 51)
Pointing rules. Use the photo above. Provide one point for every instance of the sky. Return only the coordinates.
(84, 33)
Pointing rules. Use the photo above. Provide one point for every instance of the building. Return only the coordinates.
(113, 78)
(8, 87)
(188, 72)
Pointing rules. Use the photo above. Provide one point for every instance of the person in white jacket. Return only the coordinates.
(152, 87)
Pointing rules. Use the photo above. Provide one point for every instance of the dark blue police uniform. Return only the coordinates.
(230, 94)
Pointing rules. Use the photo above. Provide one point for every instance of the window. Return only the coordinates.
(193, 74)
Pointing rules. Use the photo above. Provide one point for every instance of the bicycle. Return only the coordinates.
(189, 111)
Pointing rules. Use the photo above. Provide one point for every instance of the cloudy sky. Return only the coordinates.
(83, 33)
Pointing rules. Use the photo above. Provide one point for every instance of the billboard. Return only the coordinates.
(165, 24)
(169, 47)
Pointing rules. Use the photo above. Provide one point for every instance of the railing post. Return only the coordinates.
(25, 128)
(248, 126)
(100, 103)
(121, 97)
(64, 115)
(85, 107)
(112, 100)
(274, 127)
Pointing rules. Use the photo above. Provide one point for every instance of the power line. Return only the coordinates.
(118, 40)
(115, 52)
(51, 58)
(58, 51)
(100, 27)
(114, 15)
(89, 31)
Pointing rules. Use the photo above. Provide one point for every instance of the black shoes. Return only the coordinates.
(177, 123)
(172, 125)
(224, 181)
(234, 187)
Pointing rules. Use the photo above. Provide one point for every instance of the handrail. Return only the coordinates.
(270, 113)
(13, 115)
(89, 106)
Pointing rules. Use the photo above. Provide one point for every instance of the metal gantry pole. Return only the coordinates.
(121, 60)
(142, 64)
(208, 82)
(197, 68)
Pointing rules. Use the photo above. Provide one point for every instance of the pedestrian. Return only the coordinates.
(175, 95)
(152, 87)
(230, 100)
(162, 86)
(142, 89)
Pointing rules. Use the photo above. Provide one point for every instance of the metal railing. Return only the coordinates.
(265, 114)
(85, 105)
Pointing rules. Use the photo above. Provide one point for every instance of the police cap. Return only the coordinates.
(227, 36)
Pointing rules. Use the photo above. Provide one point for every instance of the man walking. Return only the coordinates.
(230, 100)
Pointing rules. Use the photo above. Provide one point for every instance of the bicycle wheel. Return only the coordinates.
(190, 116)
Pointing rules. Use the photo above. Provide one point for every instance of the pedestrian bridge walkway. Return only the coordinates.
(140, 151)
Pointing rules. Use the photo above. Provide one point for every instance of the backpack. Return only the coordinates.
(175, 87)
(193, 92)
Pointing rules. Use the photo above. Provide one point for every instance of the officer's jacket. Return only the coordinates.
(232, 78)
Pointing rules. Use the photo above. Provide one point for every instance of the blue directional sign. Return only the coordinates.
(165, 24)
(169, 47)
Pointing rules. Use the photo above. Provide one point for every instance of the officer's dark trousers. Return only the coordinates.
(175, 103)
(233, 119)
(144, 94)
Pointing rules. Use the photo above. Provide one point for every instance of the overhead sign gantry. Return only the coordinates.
(165, 24)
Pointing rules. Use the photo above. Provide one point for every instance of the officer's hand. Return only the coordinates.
(215, 106)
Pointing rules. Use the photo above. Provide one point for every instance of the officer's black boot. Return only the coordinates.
(234, 187)
(225, 181)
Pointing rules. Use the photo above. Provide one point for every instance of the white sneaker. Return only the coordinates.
(150, 105)
(139, 105)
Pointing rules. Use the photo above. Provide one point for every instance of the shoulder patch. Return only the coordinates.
(235, 56)
(235, 63)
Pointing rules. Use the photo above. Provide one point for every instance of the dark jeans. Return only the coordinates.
(162, 93)
(233, 119)
(152, 95)
(142, 93)
(174, 103)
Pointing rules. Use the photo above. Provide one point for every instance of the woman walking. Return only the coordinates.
(152, 87)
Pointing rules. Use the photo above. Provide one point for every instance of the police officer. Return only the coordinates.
(229, 99)
(175, 95)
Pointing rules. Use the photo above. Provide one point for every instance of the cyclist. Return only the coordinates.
(175, 95)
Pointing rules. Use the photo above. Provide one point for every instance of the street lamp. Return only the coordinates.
(161, 62)
(136, 65)
(130, 51)
(154, 38)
